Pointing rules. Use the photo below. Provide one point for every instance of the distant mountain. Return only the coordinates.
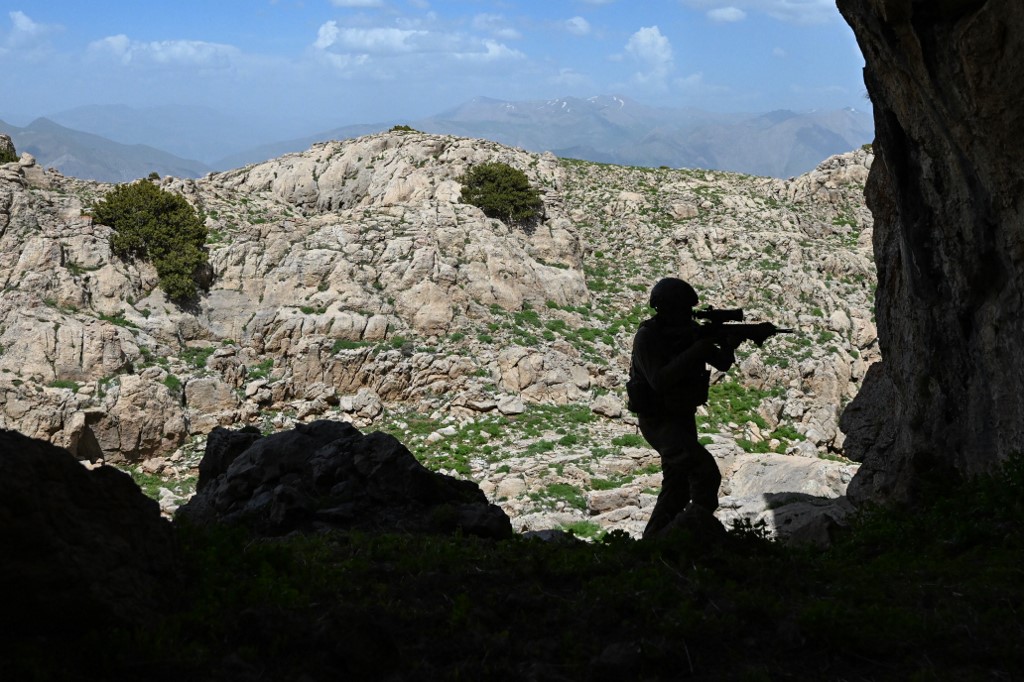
(606, 128)
(192, 132)
(85, 155)
(273, 150)
(618, 130)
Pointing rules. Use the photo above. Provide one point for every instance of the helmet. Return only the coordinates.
(673, 291)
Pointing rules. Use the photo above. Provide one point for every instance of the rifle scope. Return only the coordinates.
(719, 316)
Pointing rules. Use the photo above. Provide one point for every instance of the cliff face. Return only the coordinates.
(946, 82)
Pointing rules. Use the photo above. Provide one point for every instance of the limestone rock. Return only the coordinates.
(787, 495)
(209, 399)
(608, 405)
(141, 419)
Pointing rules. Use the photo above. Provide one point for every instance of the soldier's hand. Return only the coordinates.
(733, 341)
(705, 348)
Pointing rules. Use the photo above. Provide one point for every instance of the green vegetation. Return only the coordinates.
(584, 529)
(261, 370)
(196, 357)
(502, 192)
(65, 383)
(118, 319)
(150, 484)
(566, 493)
(8, 155)
(346, 344)
(630, 440)
(157, 226)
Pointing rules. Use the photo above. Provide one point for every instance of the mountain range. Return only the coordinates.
(117, 143)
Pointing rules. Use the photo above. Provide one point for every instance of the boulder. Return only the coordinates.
(797, 499)
(82, 549)
(327, 474)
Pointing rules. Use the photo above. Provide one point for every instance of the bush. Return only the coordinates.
(160, 227)
(502, 192)
(7, 153)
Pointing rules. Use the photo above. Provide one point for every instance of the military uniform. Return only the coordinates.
(668, 381)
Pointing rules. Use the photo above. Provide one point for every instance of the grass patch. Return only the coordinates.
(196, 357)
(65, 383)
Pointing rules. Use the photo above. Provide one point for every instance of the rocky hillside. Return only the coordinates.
(350, 283)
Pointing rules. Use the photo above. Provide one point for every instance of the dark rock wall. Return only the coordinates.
(946, 79)
(79, 549)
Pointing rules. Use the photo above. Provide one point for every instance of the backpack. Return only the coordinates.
(643, 399)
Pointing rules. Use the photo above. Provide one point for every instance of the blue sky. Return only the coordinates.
(335, 62)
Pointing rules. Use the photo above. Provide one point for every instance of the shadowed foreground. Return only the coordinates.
(932, 592)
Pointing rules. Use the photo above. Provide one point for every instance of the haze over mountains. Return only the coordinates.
(117, 143)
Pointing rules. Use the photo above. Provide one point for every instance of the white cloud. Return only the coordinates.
(23, 25)
(26, 36)
(357, 3)
(492, 51)
(654, 50)
(727, 14)
(793, 11)
(779, 52)
(371, 40)
(578, 26)
(341, 45)
(326, 35)
(691, 82)
(496, 25)
(166, 52)
(345, 62)
(569, 78)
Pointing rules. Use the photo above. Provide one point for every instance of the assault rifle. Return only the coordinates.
(721, 323)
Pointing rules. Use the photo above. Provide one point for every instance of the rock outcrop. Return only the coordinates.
(947, 194)
(82, 550)
(329, 475)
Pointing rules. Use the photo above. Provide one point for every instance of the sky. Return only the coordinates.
(328, 63)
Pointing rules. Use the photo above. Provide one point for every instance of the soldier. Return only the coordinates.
(668, 380)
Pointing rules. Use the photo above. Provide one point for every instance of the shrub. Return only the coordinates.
(502, 192)
(7, 152)
(160, 227)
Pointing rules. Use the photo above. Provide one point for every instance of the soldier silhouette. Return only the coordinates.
(668, 381)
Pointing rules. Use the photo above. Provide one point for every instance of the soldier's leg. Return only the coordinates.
(674, 495)
(704, 478)
(703, 475)
(667, 436)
